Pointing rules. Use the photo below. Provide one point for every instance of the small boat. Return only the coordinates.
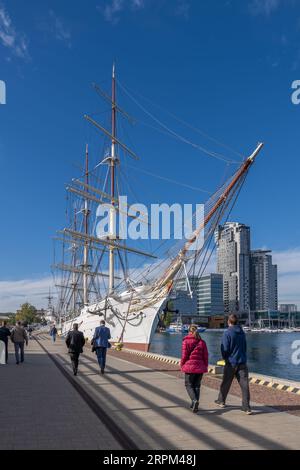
(201, 329)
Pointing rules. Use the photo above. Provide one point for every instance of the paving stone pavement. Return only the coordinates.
(152, 408)
(39, 409)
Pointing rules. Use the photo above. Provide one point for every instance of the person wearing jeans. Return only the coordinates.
(53, 333)
(234, 352)
(100, 344)
(194, 363)
(19, 338)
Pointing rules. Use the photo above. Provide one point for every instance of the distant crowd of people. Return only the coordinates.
(194, 357)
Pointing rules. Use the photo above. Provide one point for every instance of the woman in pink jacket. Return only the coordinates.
(194, 363)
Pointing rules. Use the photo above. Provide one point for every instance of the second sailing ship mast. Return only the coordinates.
(112, 182)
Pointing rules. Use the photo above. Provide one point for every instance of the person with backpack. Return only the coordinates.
(75, 342)
(194, 363)
(100, 344)
(53, 333)
(234, 353)
(19, 338)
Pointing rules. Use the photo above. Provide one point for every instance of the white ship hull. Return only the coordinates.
(139, 327)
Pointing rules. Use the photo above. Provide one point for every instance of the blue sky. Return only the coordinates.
(226, 67)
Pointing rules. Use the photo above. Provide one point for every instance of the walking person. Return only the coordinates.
(234, 353)
(4, 334)
(53, 333)
(100, 344)
(194, 363)
(75, 342)
(19, 338)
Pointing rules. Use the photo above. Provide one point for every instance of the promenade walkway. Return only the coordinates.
(43, 410)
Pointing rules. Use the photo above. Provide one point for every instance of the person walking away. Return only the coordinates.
(100, 343)
(234, 353)
(194, 363)
(53, 333)
(30, 330)
(75, 342)
(19, 338)
(4, 334)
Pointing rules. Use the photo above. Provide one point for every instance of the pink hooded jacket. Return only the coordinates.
(194, 357)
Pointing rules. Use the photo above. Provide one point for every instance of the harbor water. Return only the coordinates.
(268, 353)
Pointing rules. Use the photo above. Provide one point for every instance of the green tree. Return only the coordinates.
(168, 318)
(12, 319)
(27, 314)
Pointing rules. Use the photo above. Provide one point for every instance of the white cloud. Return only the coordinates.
(15, 293)
(288, 262)
(58, 29)
(10, 38)
(113, 8)
(182, 9)
(264, 7)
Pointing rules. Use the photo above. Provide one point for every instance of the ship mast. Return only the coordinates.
(86, 228)
(112, 183)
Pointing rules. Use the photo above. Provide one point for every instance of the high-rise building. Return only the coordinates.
(263, 281)
(233, 258)
(207, 295)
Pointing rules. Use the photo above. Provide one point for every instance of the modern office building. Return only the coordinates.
(207, 297)
(263, 281)
(233, 262)
(210, 295)
(288, 308)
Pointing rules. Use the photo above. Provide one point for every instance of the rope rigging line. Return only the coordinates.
(179, 137)
(185, 123)
(169, 180)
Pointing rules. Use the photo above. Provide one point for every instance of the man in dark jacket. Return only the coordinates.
(75, 342)
(19, 338)
(234, 352)
(4, 334)
(100, 343)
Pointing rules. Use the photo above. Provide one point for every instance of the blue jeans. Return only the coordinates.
(53, 337)
(101, 356)
(19, 347)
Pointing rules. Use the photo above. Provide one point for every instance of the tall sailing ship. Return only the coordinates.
(129, 297)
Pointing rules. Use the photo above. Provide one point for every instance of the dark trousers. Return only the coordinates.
(6, 351)
(192, 385)
(74, 360)
(101, 356)
(242, 375)
(19, 347)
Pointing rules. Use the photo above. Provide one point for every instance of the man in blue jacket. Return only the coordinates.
(234, 352)
(100, 343)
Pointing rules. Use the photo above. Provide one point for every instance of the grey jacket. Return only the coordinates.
(19, 335)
